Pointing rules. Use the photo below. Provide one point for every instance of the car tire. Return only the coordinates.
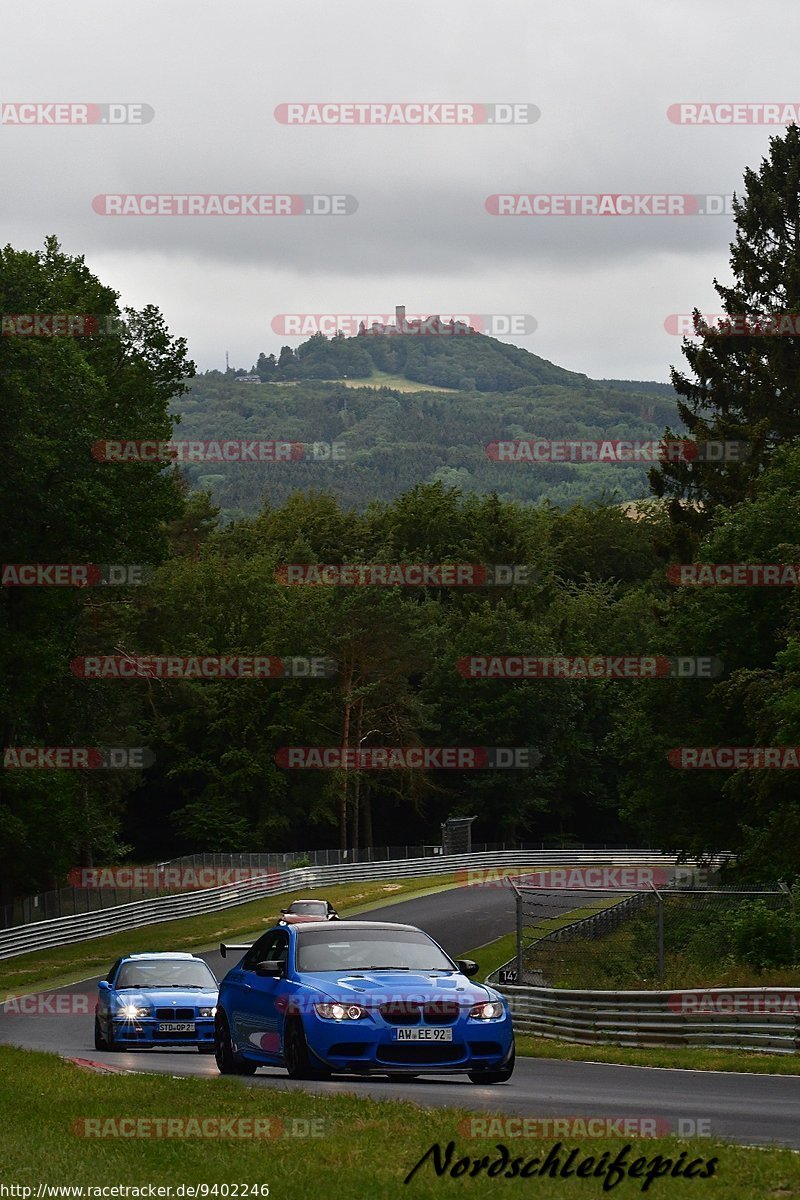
(100, 1041)
(501, 1076)
(296, 1056)
(228, 1062)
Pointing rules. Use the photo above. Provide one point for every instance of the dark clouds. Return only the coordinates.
(603, 73)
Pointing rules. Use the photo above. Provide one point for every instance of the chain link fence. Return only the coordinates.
(674, 932)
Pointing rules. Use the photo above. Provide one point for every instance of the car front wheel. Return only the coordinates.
(228, 1062)
(100, 1041)
(296, 1055)
(501, 1076)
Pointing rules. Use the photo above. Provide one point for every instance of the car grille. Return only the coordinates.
(407, 1012)
(401, 1012)
(175, 1014)
(420, 1052)
(174, 1035)
(441, 1012)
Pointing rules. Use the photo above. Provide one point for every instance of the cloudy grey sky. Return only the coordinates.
(602, 72)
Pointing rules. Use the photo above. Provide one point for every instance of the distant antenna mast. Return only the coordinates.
(227, 363)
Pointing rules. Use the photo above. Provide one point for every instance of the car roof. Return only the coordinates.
(335, 928)
(159, 954)
(309, 900)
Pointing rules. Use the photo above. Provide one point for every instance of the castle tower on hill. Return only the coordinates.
(417, 325)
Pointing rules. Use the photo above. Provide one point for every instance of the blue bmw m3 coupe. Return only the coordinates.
(360, 997)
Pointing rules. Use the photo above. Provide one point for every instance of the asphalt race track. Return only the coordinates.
(752, 1109)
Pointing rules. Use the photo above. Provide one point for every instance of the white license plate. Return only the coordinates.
(176, 1027)
(423, 1035)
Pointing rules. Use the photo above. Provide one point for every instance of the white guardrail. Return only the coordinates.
(61, 931)
(766, 1020)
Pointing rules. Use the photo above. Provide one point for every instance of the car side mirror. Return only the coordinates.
(104, 986)
(269, 967)
(467, 967)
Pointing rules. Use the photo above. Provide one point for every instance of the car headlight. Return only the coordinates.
(207, 1012)
(488, 1011)
(131, 1012)
(340, 1012)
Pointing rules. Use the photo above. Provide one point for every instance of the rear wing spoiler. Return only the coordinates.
(223, 948)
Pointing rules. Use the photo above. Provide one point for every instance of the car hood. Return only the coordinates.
(379, 986)
(167, 998)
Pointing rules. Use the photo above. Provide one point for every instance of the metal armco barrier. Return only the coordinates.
(59, 931)
(766, 1020)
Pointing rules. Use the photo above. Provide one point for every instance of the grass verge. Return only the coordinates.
(689, 1058)
(363, 1147)
(79, 960)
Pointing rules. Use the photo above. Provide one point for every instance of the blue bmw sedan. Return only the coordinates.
(361, 997)
(156, 1000)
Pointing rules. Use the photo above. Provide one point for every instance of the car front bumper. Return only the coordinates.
(366, 1048)
(146, 1033)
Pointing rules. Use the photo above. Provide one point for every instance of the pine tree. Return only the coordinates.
(744, 383)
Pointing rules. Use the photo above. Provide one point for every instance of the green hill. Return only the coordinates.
(454, 356)
(394, 438)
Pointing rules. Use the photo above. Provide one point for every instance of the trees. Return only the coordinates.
(755, 632)
(61, 395)
(743, 386)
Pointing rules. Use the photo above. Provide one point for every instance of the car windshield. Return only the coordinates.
(309, 908)
(165, 973)
(369, 950)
